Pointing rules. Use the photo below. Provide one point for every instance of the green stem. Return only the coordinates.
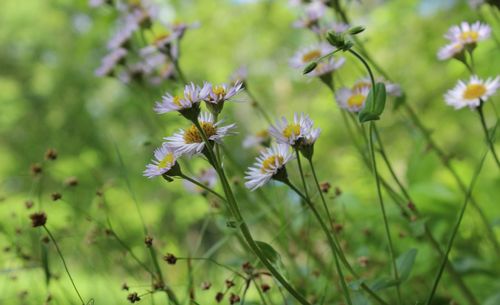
(302, 177)
(330, 220)
(382, 207)
(203, 186)
(363, 61)
(64, 263)
(455, 230)
(489, 140)
(242, 225)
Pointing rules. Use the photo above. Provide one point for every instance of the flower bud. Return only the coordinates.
(355, 30)
(310, 67)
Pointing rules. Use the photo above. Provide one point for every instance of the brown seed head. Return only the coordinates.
(38, 219)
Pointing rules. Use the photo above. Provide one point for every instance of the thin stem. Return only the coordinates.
(257, 105)
(330, 220)
(382, 207)
(367, 66)
(64, 263)
(242, 225)
(342, 257)
(491, 145)
(302, 177)
(203, 186)
(455, 230)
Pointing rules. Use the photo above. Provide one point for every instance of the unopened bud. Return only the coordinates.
(356, 30)
(310, 67)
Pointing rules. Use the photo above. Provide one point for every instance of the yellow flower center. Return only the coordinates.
(218, 90)
(469, 36)
(474, 91)
(311, 55)
(291, 130)
(192, 135)
(270, 162)
(166, 161)
(356, 100)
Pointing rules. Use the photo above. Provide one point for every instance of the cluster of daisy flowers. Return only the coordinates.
(473, 92)
(153, 59)
(298, 134)
(189, 141)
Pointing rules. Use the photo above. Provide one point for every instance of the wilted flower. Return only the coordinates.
(189, 141)
(352, 100)
(270, 164)
(471, 93)
(468, 33)
(293, 133)
(207, 177)
(165, 158)
(191, 98)
(309, 54)
(110, 61)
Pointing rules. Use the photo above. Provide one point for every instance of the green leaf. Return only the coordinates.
(272, 256)
(493, 300)
(383, 283)
(374, 105)
(405, 263)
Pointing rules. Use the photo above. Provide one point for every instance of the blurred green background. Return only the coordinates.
(105, 131)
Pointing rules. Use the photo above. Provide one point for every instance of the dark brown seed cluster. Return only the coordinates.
(38, 219)
(133, 297)
(234, 298)
(56, 196)
(170, 259)
(148, 241)
(51, 154)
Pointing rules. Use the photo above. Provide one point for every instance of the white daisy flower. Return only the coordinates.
(260, 138)
(123, 35)
(221, 93)
(269, 164)
(306, 55)
(207, 177)
(290, 132)
(189, 141)
(453, 49)
(352, 100)
(192, 96)
(472, 93)
(313, 12)
(165, 159)
(110, 61)
(468, 33)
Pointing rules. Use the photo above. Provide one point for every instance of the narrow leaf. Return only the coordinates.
(405, 263)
